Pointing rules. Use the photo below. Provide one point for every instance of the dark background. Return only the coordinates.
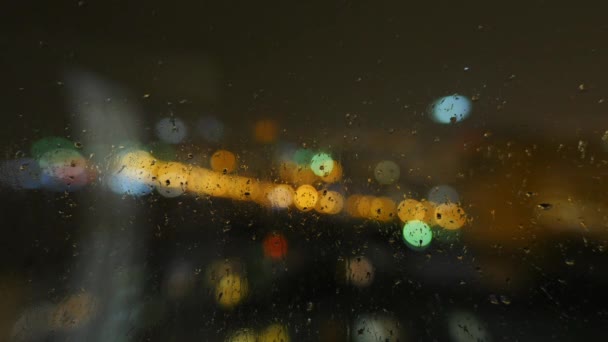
(539, 69)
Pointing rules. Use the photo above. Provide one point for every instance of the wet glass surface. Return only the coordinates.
(315, 171)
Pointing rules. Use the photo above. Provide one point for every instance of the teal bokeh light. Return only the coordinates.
(303, 156)
(417, 234)
(321, 164)
(451, 109)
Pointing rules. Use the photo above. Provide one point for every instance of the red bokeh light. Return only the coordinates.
(275, 246)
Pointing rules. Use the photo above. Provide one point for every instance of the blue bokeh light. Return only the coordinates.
(451, 109)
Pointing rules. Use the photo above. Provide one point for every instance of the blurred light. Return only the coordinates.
(330, 202)
(376, 328)
(281, 196)
(387, 172)
(223, 161)
(364, 206)
(443, 194)
(410, 209)
(172, 179)
(242, 188)
(382, 209)
(303, 156)
(306, 197)
(274, 333)
(211, 129)
(466, 327)
(21, 173)
(74, 312)
(63, 170)
(207, 182)
(450, 216)
(265, 131)
(417, 234)
(171, 130)
(335, 175)
(44, 145)
(359, 271)
(231, 290)
(275, 246)
(451, 109)
(242, 335)
(133, 173)
(322, 164)
(303, 175)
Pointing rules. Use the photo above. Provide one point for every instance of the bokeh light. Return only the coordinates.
(231, 290)
(275, 246)
(443, 194)
(382, 209)
(466, 327)
(223, 161)
(335, 175)
(417, 234)
(206, 182)
(322, 164)
(359, 271)
(451, 109)
(266, 131)
(171, 130)
(330, 202)
(281, 196)
(42, 146)
(63, 170)
(133, 172)
(450, 216)
(172, 179)
(303, 156)
(306, 197)
(274, 333)
(376, 328)
(410, 209)
(74, 311)
(21, 173)
(387, 172)
(211, 129)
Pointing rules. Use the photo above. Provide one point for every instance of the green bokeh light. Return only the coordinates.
(321, 164)
(303, 156)
(417, 234)
(44, 145)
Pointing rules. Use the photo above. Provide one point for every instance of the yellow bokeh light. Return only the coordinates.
(382, 209)
(265, 131)
(364, 205)
(303, 175)
(205, 182)
(411, 209)
(306, 197)
(223, 161)
(330, 202)
(287, 171)
(450, 216)
(334, 175)
(274, 333)
(231, 290)
(351, 205)
(242, 188)
(172, 178)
